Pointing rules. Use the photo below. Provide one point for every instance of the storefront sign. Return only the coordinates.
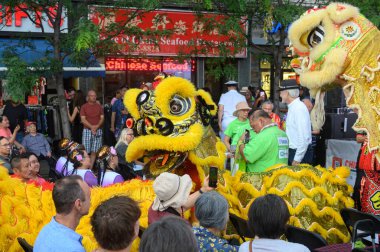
(188, 33)
(18, 20)
(343, 153)
(166, 65)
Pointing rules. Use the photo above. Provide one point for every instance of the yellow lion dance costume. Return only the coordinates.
(173, 134)
(337, 44)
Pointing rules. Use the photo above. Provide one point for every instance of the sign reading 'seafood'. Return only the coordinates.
(187, 32)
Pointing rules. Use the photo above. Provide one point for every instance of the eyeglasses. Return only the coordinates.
(129, 134)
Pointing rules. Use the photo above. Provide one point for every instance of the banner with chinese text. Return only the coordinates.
(187, 33)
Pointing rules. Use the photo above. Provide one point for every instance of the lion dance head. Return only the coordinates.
(337, 45)
(172, 125)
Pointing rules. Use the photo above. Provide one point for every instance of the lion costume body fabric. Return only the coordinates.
(182, 142)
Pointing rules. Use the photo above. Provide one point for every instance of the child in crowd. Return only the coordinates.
(82, 165)
(107, 162)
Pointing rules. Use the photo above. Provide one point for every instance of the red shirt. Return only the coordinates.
(40, 182)
(154, 216)
(276, 119)
(5, 132)
(92, 112)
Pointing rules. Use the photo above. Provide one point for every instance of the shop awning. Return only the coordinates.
(34, 49)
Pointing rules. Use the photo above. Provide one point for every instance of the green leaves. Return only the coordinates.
(19, 79)
(87, 35)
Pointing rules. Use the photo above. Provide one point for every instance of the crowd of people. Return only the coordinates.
(256, 139)
(115, 222)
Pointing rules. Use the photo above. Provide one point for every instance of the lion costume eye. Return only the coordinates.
(142, 97)
(316, 36)
(179, 105)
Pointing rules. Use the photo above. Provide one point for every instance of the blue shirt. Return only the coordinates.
(120, 118)
(36, 144)
(57, 237)
(207, 241)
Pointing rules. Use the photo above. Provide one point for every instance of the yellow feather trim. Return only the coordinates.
(165, 92)
(130, 102)
(184, 143)
(217, 161)
(208, 99)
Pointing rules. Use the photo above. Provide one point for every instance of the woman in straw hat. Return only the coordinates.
(234, 131)
(173, 195)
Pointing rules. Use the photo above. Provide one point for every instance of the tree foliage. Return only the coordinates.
(77, 43)
(19, 79)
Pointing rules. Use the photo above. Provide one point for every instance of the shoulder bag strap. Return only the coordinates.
(250, 245)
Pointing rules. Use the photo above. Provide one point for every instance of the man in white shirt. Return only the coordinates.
(298, 125)
(227, 106)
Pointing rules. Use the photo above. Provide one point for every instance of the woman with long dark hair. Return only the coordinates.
(74, 116)
(107, 162)
(82, 165)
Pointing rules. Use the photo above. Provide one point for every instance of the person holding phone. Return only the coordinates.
(269, 147)
(173, 195)
(261, 96)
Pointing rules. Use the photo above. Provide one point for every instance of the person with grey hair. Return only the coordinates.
(298, 124)
(211, 209)
(268, 106)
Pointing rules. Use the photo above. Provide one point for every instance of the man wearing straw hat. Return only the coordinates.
(227, 105)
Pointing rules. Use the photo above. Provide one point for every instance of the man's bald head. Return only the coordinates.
(91, 96)
(258, 119)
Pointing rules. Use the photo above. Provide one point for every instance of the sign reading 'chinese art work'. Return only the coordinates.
(187, 33)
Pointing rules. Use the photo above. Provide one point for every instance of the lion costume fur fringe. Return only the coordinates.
(313, 194)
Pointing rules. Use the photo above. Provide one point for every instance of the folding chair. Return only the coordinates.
(241, 226)
(302, 236)
(350, 216)
(25, 245)
(361, 224)
(364, 228)
(141, 231)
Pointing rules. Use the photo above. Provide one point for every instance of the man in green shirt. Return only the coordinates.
(269, 147)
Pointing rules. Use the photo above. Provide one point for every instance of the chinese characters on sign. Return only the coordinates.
(187, 33)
